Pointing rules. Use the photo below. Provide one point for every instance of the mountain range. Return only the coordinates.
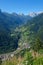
(17, 28)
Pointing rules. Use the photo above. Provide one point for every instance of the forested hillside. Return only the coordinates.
(15, 33)
(32, 31)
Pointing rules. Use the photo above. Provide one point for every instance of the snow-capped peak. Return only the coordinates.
(33, 14)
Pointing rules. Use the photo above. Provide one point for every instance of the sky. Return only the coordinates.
(21, 6)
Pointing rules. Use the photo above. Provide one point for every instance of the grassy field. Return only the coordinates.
(29, 58)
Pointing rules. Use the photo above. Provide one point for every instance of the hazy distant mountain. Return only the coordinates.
(24, 18)
(13, 20)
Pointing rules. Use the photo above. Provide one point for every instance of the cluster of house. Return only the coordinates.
(4, 57)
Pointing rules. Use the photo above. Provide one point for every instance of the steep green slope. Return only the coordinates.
(32, 30)
(8, 42)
